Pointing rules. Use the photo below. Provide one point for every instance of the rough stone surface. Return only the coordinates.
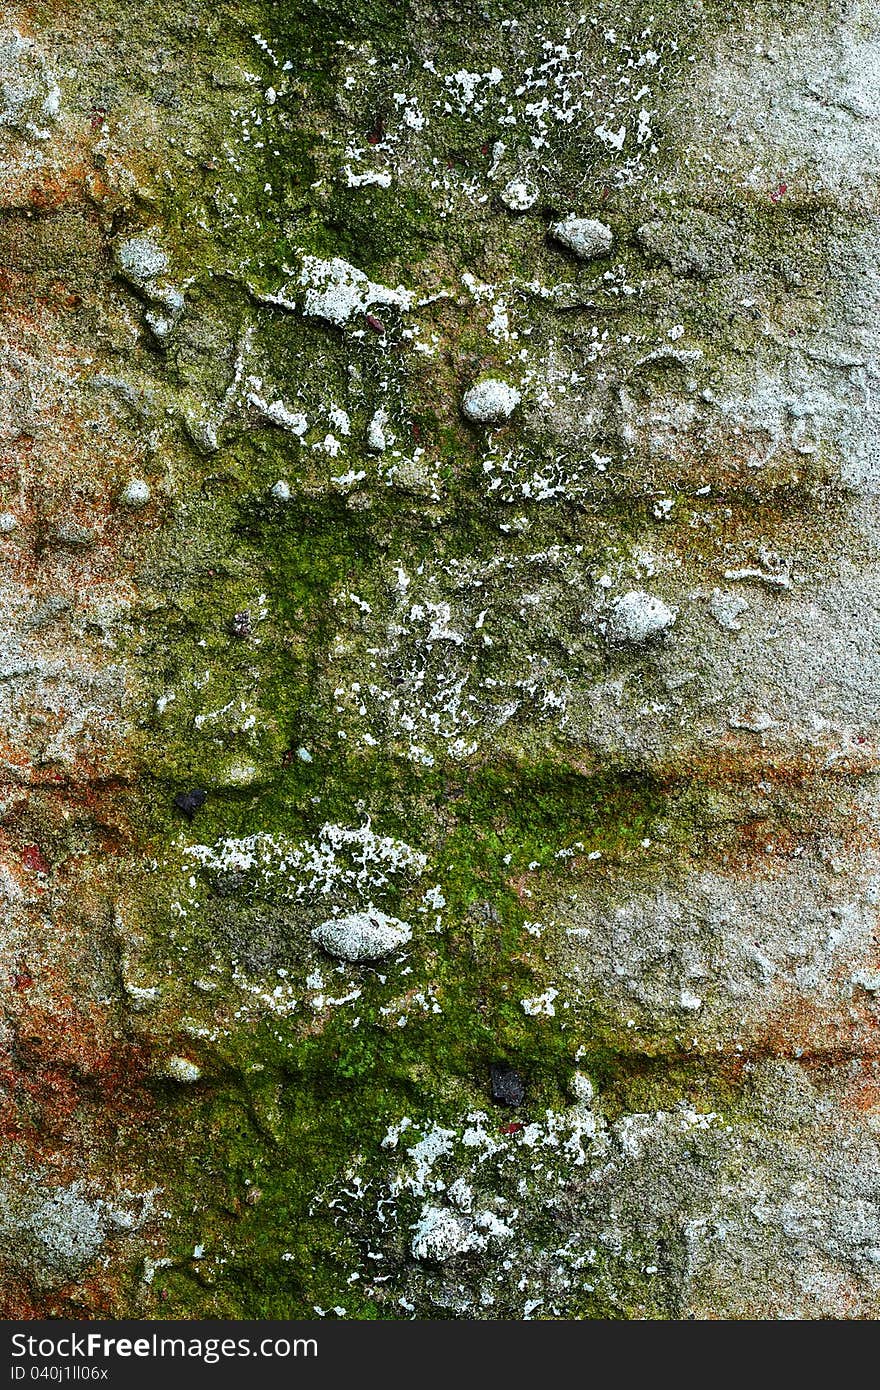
(441, 1235)
(337, 291)
(29, 95)
(381, 750)
(141, 260)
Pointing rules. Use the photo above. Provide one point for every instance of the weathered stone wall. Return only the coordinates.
(439, 460)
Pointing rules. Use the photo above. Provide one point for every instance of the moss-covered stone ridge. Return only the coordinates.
(439, 580)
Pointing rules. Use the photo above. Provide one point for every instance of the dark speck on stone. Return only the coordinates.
(508, 1087)
(190, 802)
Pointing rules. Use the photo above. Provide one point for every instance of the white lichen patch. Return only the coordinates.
(135, 495)
(141, 260)
(379, 436)
(362, 936)
(441, 1234)
(605, 83)
(55, 1232)
(276, 412)
(458, 1227)
(541, 1005)
(727, 609)
(445, 659)
(337, 291)
(343, 863)
(463, 1196)
(375, 178)
(519, 195)
(181, 1069)
(490, 401)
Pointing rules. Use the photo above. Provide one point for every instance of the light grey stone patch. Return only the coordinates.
(135, 494)
(203, 434)
(55, 1233)
(29, 95)
(637, 618)
(163, 319)
(726, 610)
(181, 1069)
(144, 264)
(68, 1230)
(8, 523)
(362, 936)
(698, 245)
(141, 260)
(868, 979)
(136, 401)
(490, 401)
(72, 535)
(160, 325)
(280, 491)
(751, 950)
(752, 720)
(808, 115)
(586, 237)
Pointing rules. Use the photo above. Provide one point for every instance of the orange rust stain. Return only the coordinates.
(805, 1026)
(59, 1070)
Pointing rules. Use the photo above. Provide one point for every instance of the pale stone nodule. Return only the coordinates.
(181, 1069)
(489, 401)
(203, 434)
(362, 936)
(583, 236)
(135, 494)
(141, 260)
(637, 618)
